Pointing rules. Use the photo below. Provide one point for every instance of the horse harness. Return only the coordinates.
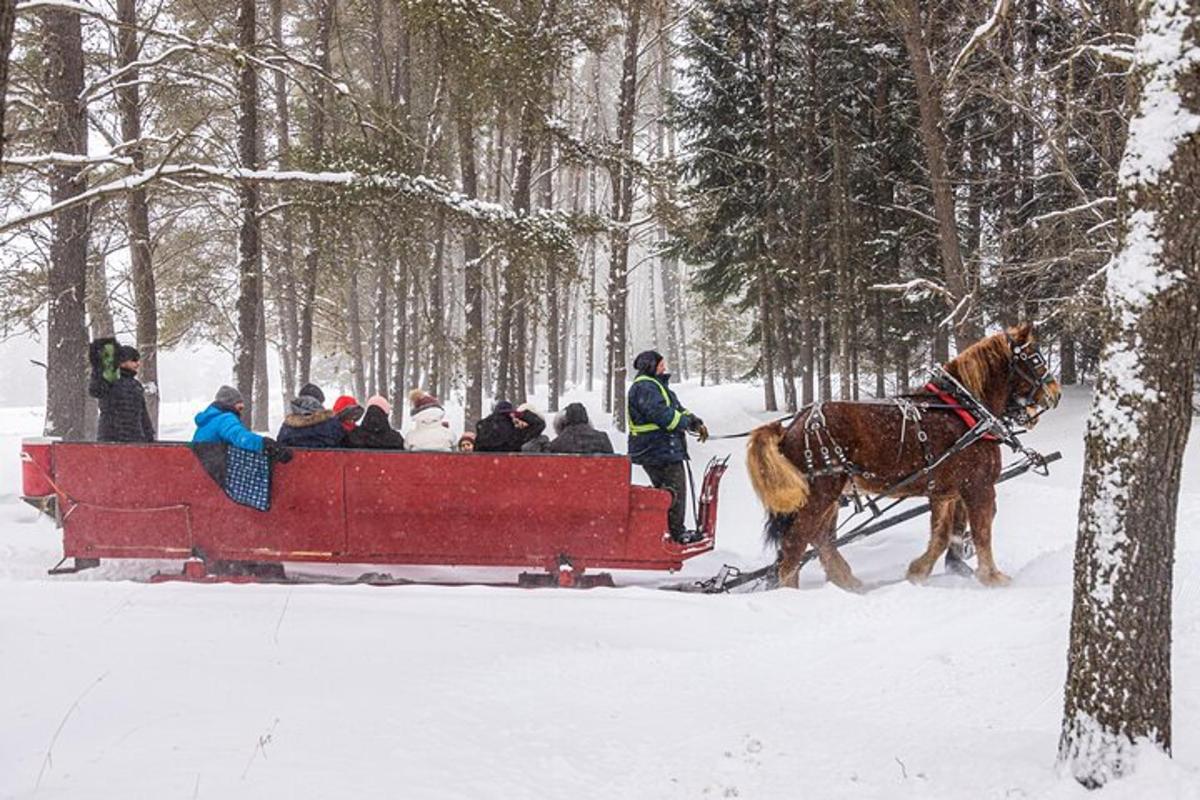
(981, 423)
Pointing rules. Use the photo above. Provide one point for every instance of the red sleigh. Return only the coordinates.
(561, 514)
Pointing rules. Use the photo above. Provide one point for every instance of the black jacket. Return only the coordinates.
(576, 434)
(651, 402)
(374, 432)
(498, 434)
(123, 414)
(322, 429)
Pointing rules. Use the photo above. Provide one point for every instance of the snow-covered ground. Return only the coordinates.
(117, 688)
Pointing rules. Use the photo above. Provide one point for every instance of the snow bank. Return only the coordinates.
(116, 688)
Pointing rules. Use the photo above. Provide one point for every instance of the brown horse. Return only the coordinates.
(800, 471)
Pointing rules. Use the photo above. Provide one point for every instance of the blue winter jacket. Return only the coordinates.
(657, 422)
(216, 424)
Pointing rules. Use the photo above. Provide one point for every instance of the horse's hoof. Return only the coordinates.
(995, 578)
(918, 573)
(851, 584)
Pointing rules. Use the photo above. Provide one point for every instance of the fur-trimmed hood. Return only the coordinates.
(307, 420)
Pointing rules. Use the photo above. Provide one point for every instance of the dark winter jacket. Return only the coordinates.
(657, 422)
(220, 424)
(309, 425)
(576, 434)
(123, 414)
(539, 445)
(375, 433)
(498, 434)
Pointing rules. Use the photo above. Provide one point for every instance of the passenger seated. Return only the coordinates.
(222, 422)
(348, 411)
(507, 429)
(431, 429)
(576, 434)
(466, 442)
(375, 432)
(310, 424)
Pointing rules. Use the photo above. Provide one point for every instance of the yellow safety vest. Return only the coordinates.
(647, 427)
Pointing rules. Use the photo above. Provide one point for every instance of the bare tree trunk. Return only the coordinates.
(249, 245)
(902, 358)
(137, 210)
(622, 213)
(414, 334)
(262, 380)
(1067, 372)
(553, 319)
(66, 340)
(312, 255)
(8, 17)
(354, 331)
(400, 376)
(101, 325)
(1118, 688)
(438, 351)
(464, 123)
(593, 302)
(99, 307)
(966, 328)
(285, 271)
(826, 357)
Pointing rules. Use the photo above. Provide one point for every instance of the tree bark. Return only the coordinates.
(312, 255)
(464, 123)
(358, 377)
(262, 381)
(285, 262)
(966, 328)
(622, 213)
(137, 209)
(66, 340)
(1118, 688)
(8, 18)
(249, 244)
(1067, 371)
(400, 342)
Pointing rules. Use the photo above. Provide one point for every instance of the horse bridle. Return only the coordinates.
(1028, 363)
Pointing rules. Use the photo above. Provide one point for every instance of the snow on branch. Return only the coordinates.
(544, 225)
(981, 35)
(916, 289)
(65, 159)
(57, 5)
(1067, 212)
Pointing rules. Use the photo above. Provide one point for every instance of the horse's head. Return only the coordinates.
(1032, 387)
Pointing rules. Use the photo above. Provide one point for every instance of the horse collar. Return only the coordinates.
(957, 407)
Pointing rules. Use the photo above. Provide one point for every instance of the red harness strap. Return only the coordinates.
(957, 408)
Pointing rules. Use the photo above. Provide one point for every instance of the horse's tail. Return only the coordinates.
(779, 484)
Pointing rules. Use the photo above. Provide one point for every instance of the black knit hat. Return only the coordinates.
(127, 353)
(313, 391)
(647, 362)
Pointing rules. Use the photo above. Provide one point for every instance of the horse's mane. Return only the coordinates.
(972, 366)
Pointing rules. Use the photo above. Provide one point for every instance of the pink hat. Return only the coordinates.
(380, 402)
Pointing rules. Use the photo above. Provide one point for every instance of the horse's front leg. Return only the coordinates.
(981, 508)
(941, 526)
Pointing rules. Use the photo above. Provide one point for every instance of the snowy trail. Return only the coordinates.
(115, 688)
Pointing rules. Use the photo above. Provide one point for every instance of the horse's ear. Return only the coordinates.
(1023, 332)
